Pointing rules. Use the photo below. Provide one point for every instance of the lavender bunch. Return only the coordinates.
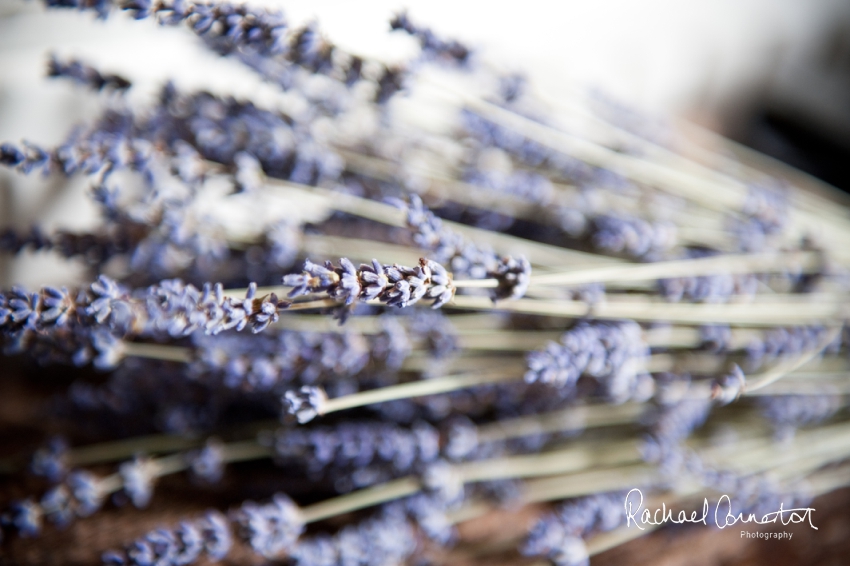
(430, 417)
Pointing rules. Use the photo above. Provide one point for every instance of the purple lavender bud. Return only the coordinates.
(249, 172)
(271, 529)
(444, 481)
(462, 439)
(789, 412)
(317, 551)
(57, 506)
(373, 279)
(138, 477)
(141, 553)
(611, 352)
(26, 517)
(52, 460)
(433, 47)
(392, 345)
(86, 75)
(430, 515)
(113, 558)
(729, 387)
(306, 403)
(10, 155)
(715, 338)
(207, 464)
(513, 275)
(189, 543)
(215, 532)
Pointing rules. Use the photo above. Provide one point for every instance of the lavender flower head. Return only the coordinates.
(612, 352)
(394, 285)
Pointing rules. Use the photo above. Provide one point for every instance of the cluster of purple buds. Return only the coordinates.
(234, 133)
(86, 75)
(110, 145)
(524, 184)
(433, 47)
(78, 495)
(558, 536)
(463, 256)
(181, 546)
(263, 363)
(513, 275)
(51, 461)
(451, 248)
(789, 412)
(387, 538)
(207, 464)
(271, 529)
(357, 445)
(669, 425)
(260, 38)
(718, 288)
(777, 343)
(765, 214)
(632, 236)
(93, 247)
(490, 134)
(612, 352)
(138, 476)
(394, 285)
(715, 338)
(304, 404)
(177, 309)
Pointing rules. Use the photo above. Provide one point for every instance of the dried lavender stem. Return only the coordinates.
(368, 497)
(574, 418)
(588, 482)
(120, 449)
(833, 442)
(417, 389)
(163, 352)
(783, 369)
(806, 262)
(761, 314)
(551, 462)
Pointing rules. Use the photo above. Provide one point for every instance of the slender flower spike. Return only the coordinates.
(306, 404)
(396, 285)
(271, 529)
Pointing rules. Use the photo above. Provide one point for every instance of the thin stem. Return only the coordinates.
(368, 497)
(417, 389)
(783, 313)
(806, 262)
(550, 463)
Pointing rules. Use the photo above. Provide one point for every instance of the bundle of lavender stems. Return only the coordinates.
(425, 294)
